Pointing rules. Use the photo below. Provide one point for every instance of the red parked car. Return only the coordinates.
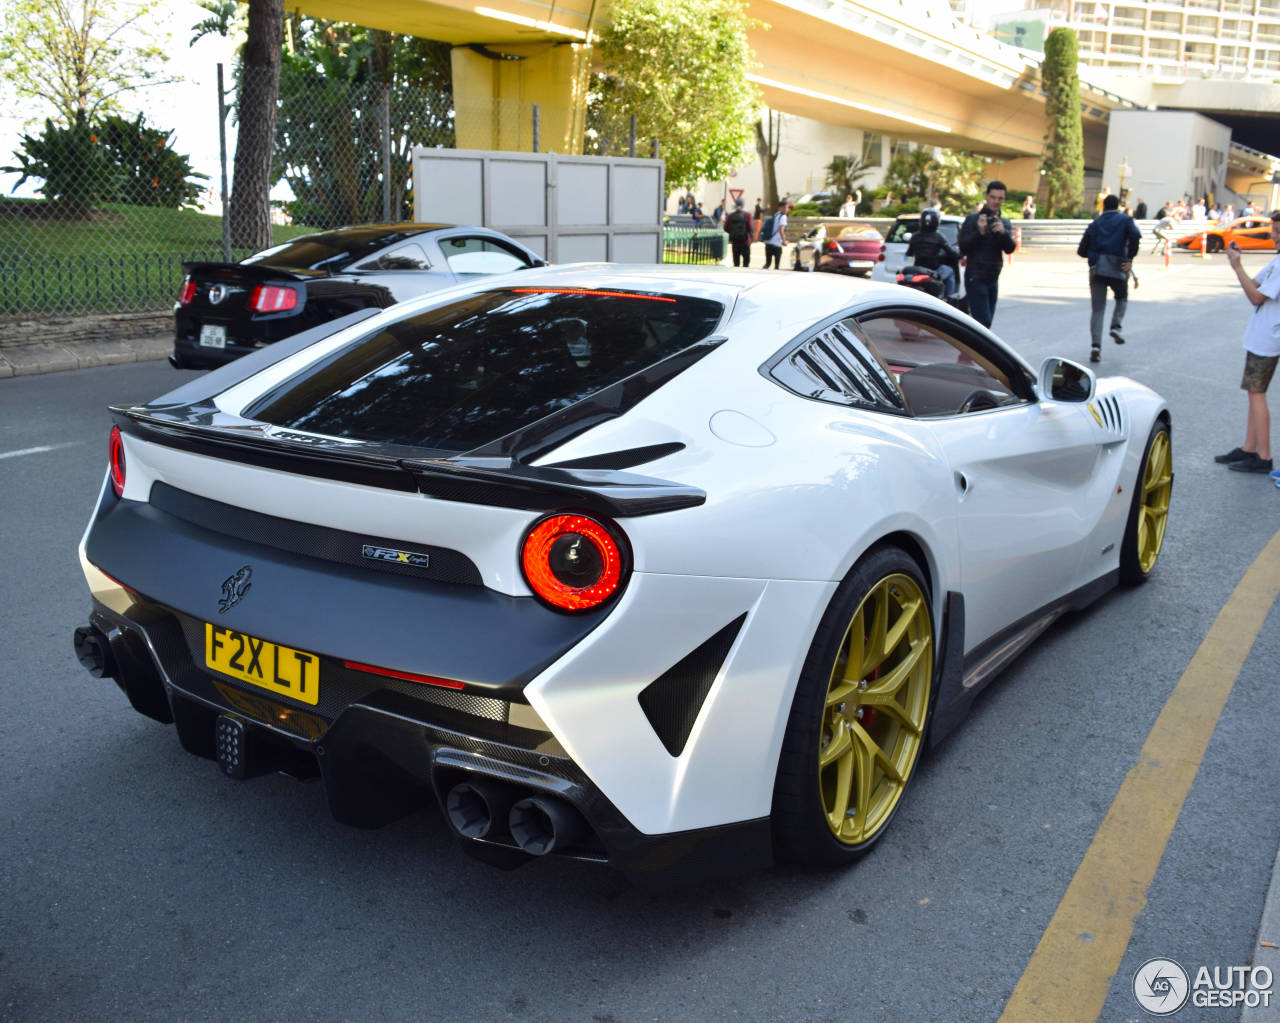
(854, 249)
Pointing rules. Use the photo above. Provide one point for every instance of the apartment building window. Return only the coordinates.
(871, 149)
(1202, 26)
(1126, 45)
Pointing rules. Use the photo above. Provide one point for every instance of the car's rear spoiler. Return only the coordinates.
(202, 429)
(246, 271)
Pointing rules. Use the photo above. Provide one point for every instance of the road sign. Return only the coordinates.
(736, 193)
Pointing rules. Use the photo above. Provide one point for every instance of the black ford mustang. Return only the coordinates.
(227, 309)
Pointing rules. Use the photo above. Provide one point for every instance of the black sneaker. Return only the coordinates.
(1116, 336)
(1252, 464)
(1095, 355)
(1234, 455)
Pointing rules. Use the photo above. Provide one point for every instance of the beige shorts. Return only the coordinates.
(1258, 370)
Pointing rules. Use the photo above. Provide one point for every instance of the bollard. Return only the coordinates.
(1166, 254)
(1017, 239)
(1204, 244)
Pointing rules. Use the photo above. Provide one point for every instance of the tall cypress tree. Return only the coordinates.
(1063, 162)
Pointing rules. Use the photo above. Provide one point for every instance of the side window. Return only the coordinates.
(402, 257)
(938, 372)
(836, 366)
(479, 256)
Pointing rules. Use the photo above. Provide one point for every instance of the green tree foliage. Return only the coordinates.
(115, 160)
(80, 56)
(957, 179)
(910, 172)
(1063, 162)
(844, 173)
(329, 127)
(681, 69)
(151, 172)
(77, 170)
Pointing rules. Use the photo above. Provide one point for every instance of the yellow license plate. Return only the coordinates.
(280, 669)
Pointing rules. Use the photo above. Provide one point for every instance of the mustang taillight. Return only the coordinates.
(833, 246)
(271, 298)
(188, 291)
(115, 457)
(572, 562)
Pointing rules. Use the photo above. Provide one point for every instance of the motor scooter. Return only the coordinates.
(922, 278)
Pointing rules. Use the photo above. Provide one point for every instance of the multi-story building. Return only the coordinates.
(1237, 39)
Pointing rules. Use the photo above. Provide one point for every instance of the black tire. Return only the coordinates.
(1149, 509)
(1213, 243)
(808, 805)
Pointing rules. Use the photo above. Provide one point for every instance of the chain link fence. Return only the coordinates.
(116, 210)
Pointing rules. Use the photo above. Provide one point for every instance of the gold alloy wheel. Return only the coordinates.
(1153, 506)
(874, 716)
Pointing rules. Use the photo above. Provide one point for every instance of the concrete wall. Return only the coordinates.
(1172, 154)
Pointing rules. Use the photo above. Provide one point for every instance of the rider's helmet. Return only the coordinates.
(929, 220)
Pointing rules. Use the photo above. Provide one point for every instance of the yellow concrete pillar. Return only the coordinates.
(494, 97)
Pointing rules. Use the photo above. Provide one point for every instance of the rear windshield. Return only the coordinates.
(460, 375)
(331, 251)
(903, 230)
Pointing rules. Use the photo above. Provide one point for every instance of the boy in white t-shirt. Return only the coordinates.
(1262, 352)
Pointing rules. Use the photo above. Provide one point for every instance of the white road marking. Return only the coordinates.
(40, 450)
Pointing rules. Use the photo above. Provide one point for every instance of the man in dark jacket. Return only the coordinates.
(985, 237)
(1109, 243)
(740, 229)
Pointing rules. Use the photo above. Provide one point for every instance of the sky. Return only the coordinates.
(187, 106)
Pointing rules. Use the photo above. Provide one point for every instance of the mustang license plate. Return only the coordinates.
(212, 336)
(280, 669)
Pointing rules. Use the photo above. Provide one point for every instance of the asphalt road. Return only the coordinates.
(139, 884)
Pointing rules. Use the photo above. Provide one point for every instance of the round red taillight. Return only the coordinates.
(572, 562)
(115, 456)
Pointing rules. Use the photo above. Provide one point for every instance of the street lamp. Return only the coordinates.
(1124, 170)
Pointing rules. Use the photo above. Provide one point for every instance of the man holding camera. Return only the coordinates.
(985, 237)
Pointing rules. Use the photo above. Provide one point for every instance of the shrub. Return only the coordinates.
(77, 169)
(152, 173)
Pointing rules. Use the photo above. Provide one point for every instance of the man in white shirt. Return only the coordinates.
(777, 235)
(1262, 352)
(850, 208)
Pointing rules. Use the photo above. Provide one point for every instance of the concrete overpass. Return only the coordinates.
(893, 68)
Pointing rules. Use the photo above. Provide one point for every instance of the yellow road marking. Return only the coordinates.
(1070, 972)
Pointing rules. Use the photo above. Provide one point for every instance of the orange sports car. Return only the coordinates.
(1252, 232)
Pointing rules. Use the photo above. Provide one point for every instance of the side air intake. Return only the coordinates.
(671, 701)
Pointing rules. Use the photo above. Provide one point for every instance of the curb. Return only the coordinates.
(28, 360)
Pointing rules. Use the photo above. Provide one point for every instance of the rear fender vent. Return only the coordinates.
(672, 701)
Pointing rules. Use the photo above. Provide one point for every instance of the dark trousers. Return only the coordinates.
(1098, 304)
(982, 297)
(741, 253)
(774, 253)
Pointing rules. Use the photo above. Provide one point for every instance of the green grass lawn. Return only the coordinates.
(117, 259)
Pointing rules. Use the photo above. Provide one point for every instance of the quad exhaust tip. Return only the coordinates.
(543, 824)
(94, 652)
(478, 809)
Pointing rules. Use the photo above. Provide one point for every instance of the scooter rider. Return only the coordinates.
(929, 249)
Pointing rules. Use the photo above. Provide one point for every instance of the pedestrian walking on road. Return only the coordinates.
(739, 228)
(775, 235)
(1261, 353)
(1109, 243)
(985, 237)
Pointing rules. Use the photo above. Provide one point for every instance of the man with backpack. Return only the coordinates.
(740, 229)
(1109, 243)
(774, 235)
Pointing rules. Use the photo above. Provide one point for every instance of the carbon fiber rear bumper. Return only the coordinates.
(395, 747)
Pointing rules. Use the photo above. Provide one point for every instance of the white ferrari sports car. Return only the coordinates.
(680, 569)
